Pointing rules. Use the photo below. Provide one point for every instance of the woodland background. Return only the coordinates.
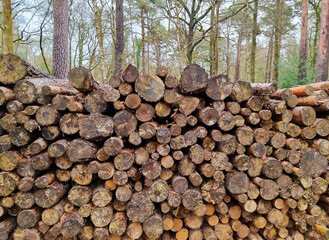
(256, 41)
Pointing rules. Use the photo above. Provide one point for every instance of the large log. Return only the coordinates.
(28, 90)
(81, 79)
(13, 68)
(193, 79)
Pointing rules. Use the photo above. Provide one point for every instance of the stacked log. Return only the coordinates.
(151, 157)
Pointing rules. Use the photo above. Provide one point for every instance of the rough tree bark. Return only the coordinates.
(322, 59)
(98, 12)
(253, 42)
(277, 39)
(60, 45)
(7, 27)
(303, 42)
(119, 37)
(143, 39)
(238, 54)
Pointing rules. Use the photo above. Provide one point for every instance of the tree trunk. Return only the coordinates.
(316, 34)
(143, 40)
(216, 38)
(7, 27)
(276, 40)
(60, 45)
(211, 43)
(303, 42)
(119, 37)
(228, 48)
(190, 37)
(100, 35)
(269, 60)
(238, 54)
(253, 42)
(322, 59)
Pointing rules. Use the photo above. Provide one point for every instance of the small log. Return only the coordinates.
(313, 164)
(24, 233)
(44, 180)
(213, 192)
(79, 195)
(113, 146)
(149, 87)
(130, 74)
(95, 126)
(264, 114)
(81, 175)
(47, 197)
(125, 89)
(120, 178)
(25, 169)
(101, 197)
(300, 91)
(14, 106)
(193, 79)
(171, 96)
(257, 149)
(139, 208)
(269, 189)
(72, 224)
(47, 115)
(244, 135)
(151, 170)
(25, 184)
(81, 79)
(6, 95)
(228, 144)
(255, 103)
(134, 230)
(28, 218)
(50, 132)
(118, 224)
(124, 160)
(9, 160)
(272, 168)
(304, 115)
(6, 227)
(124, 123)
(41, 161)
(162, 71)
(80, 150)
(241, 91)
(94, 102)
(192, 199)
(170, 82)
(8, 122)
(237, 182)
(108, 93)
(225, 121)
(19, 137)
(58, 148)
(321, 126)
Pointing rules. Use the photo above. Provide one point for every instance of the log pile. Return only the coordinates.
(151, 157)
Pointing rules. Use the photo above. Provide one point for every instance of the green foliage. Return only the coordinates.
(138, 43)
(288, 71)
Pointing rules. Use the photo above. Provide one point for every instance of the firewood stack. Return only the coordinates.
(153, 157)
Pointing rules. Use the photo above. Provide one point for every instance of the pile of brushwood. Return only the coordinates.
(150, 157)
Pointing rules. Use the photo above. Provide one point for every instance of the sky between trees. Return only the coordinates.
(252, 40)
